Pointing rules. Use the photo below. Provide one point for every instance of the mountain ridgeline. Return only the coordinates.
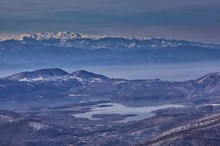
(56, 82)
(70, 49)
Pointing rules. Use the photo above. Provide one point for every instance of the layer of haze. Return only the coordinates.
(170, 72)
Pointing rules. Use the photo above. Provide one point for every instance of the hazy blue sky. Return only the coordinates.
(196, 20)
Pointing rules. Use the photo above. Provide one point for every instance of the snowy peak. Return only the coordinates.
(50, 72)
(39, 75)
(86, 75)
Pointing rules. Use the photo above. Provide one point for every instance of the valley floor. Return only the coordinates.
(197, 124)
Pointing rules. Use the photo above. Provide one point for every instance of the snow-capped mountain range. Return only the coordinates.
(65, 39)
(67, 49)
(50, 35)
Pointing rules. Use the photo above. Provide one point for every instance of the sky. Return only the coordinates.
(194, 20)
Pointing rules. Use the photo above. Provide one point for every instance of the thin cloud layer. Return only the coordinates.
(116, 17)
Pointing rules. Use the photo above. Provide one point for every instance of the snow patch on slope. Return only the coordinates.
(38, 126)
(62, 78)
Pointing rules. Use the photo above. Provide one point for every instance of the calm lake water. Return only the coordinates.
(115, 108)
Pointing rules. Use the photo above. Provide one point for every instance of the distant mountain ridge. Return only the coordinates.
(55, 81)
(65, 49)
(54, 74)
(43, 73)
(65, 39)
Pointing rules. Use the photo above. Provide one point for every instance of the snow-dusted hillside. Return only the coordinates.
(58, 75)
(50, 81)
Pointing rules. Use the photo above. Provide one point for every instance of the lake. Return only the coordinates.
(116, 108)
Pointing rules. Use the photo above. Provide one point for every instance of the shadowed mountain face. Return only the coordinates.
(48, 82)
(69, 49)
